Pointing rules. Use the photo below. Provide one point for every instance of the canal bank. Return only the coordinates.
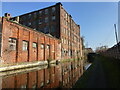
(16, 66)
(57, 75)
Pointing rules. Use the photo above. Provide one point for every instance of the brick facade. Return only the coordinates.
(0, 34)
(56, 21)
(23, 44)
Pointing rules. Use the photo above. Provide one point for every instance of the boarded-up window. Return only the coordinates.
(34, 45)
(12, 43)
(25, 45)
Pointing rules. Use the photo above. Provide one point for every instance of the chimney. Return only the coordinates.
(59, 3)
(17, 19)
(7, 15)
(70, 16)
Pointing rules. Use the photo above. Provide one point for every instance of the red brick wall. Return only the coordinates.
(21, 80)
(41, 78)
(11, 83)
(20, 33)
(0, 34)
(32, 79)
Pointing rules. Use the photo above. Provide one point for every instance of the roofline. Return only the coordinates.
(32, 29)
(40, 9)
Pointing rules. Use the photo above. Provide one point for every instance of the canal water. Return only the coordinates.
(63, 75)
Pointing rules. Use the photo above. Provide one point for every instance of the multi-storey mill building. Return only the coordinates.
(55, 20)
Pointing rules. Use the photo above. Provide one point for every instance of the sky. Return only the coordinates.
(119, 21)
(96, 19)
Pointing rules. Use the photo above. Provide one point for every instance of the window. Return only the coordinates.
(64, 30)
(34, 86)
(62, 52)
(29, 23)
(46, 11)
(53, 9)
(34, 23)
(53, 18)
(12, 43)
(48, 46)
(46, 30)
(48, 81)
(42, 46)
(46, 19)
(23, 86)
(25, 46)
(69, 33)
(40, 12)
(52, 28)
(40, 21)
(29, 16)
(34, 45)
(35, 14)
(42, 84)
(66, 15)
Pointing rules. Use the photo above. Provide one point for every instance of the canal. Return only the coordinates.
(62, 75)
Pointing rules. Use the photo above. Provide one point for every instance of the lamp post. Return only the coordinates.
(118, 46)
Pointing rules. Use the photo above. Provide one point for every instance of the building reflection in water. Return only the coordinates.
(56, 76)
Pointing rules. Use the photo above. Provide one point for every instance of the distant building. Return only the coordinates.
(55, 20)
(89, 50)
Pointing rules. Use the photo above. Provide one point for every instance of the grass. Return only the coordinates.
(112, 71)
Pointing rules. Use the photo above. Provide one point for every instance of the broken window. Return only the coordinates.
(25, 45)
(12, 43)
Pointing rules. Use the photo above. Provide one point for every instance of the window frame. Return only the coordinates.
(35, 45)
(24, 49)
(42, 45)
(14, 44)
